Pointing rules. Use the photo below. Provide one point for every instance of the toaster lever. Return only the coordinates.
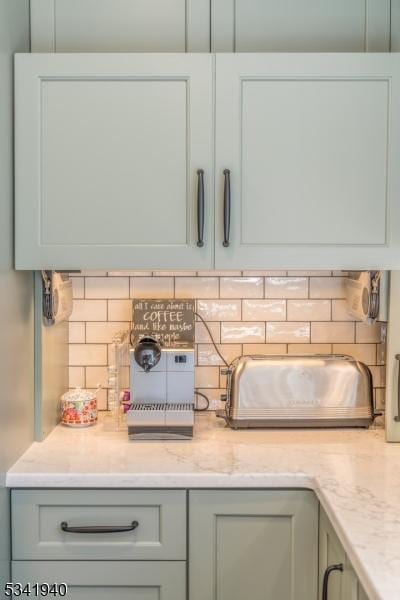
(223, 397)
(226, 371)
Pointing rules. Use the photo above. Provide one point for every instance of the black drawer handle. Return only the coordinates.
(397, 417)
(227, 207)
(200, 208)
(327, 573)
(99, 528)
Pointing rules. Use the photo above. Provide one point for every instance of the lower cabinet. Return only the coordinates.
(260, 545)
(100, 580)
(337, 578)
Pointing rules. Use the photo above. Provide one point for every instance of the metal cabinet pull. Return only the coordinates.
(397, 417)
(327, 573)
(99, 528)
(200, 208)
(227, 207)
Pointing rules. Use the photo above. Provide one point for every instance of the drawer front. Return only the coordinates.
(102, 580)
(38, 515)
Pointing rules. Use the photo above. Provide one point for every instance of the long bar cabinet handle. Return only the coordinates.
(397, 417)
(99, 528)
(200, 208)
(328, 571)
(227, 207)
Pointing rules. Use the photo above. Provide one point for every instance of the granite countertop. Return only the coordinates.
(355, 474)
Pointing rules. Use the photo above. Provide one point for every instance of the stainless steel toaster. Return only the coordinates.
(298, 391)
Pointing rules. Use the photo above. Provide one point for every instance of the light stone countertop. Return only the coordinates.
(355, 474)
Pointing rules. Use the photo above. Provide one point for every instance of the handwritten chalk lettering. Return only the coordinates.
(170, 321)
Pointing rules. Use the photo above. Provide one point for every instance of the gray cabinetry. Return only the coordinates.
(108, 149)
(300, 26)
(105, 580)
(311, 142)
(253, 544)
(120, 25)
(342, 584)
(37, 517)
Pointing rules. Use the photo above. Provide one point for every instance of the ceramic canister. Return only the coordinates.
(79, 408)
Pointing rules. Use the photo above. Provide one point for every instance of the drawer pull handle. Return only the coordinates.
(328, 571)
(99, 528)
(397, 417)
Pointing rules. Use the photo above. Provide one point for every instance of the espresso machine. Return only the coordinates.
(162, 391)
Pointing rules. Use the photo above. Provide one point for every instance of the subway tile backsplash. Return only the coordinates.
(248, 312)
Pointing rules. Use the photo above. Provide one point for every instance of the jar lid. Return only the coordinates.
(78, 395)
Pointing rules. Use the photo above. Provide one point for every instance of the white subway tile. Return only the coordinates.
(78, 287)
(196, 287)
(365, 353)
(264, 310)
(310, 349)
(128, 273)
(368, 333)
(120, 310)
(202, 335)
(286, 287)
(214, 398)
(94, 273)
(288, 332)
(219, 310)
(152, 287)
(327, 287)
(257, 273)
(308, 310)
(379, 399)
(174, 273)
(96, 376)
(241, 287)
(340, 312)
(207, 355)
(101, 396)
(242, 332)
(103, 333)
(333, 332)
(207, 377)
(89, 310)
(87, 354)
(76, 377)
(309, 273)
(107, 287)
(253, 349)
(76, 332)
(219, 273)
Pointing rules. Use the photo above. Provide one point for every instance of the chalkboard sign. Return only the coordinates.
(169, 321)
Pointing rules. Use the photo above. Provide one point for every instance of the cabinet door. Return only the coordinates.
(300, 26)
(253, 544)
(108, 149)
(120, 26)
(105, 580)
(331, 553)
(312, 143)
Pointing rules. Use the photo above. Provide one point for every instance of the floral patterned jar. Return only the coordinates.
(79, 408)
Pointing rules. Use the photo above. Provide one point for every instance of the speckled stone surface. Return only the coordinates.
(355, 474)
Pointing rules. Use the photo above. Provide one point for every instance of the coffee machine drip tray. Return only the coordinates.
(160, 421)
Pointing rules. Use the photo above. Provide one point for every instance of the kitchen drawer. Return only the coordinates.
(37, 516)
(105, 580)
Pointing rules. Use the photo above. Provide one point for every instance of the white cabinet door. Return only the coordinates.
(312, 143)
(120, 25)
(300, 26)
(108, 149)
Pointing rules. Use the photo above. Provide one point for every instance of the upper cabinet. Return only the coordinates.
(300, 26)
(311, 143)
(216, 25)
(114, 161)
(120, 26)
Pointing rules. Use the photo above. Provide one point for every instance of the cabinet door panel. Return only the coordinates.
(107, 153)
(253, 544)
(120, 25)
(104, 580)
(310, 141)
(300, 26)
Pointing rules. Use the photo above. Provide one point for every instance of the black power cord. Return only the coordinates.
(212, 339)
(197, 393)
